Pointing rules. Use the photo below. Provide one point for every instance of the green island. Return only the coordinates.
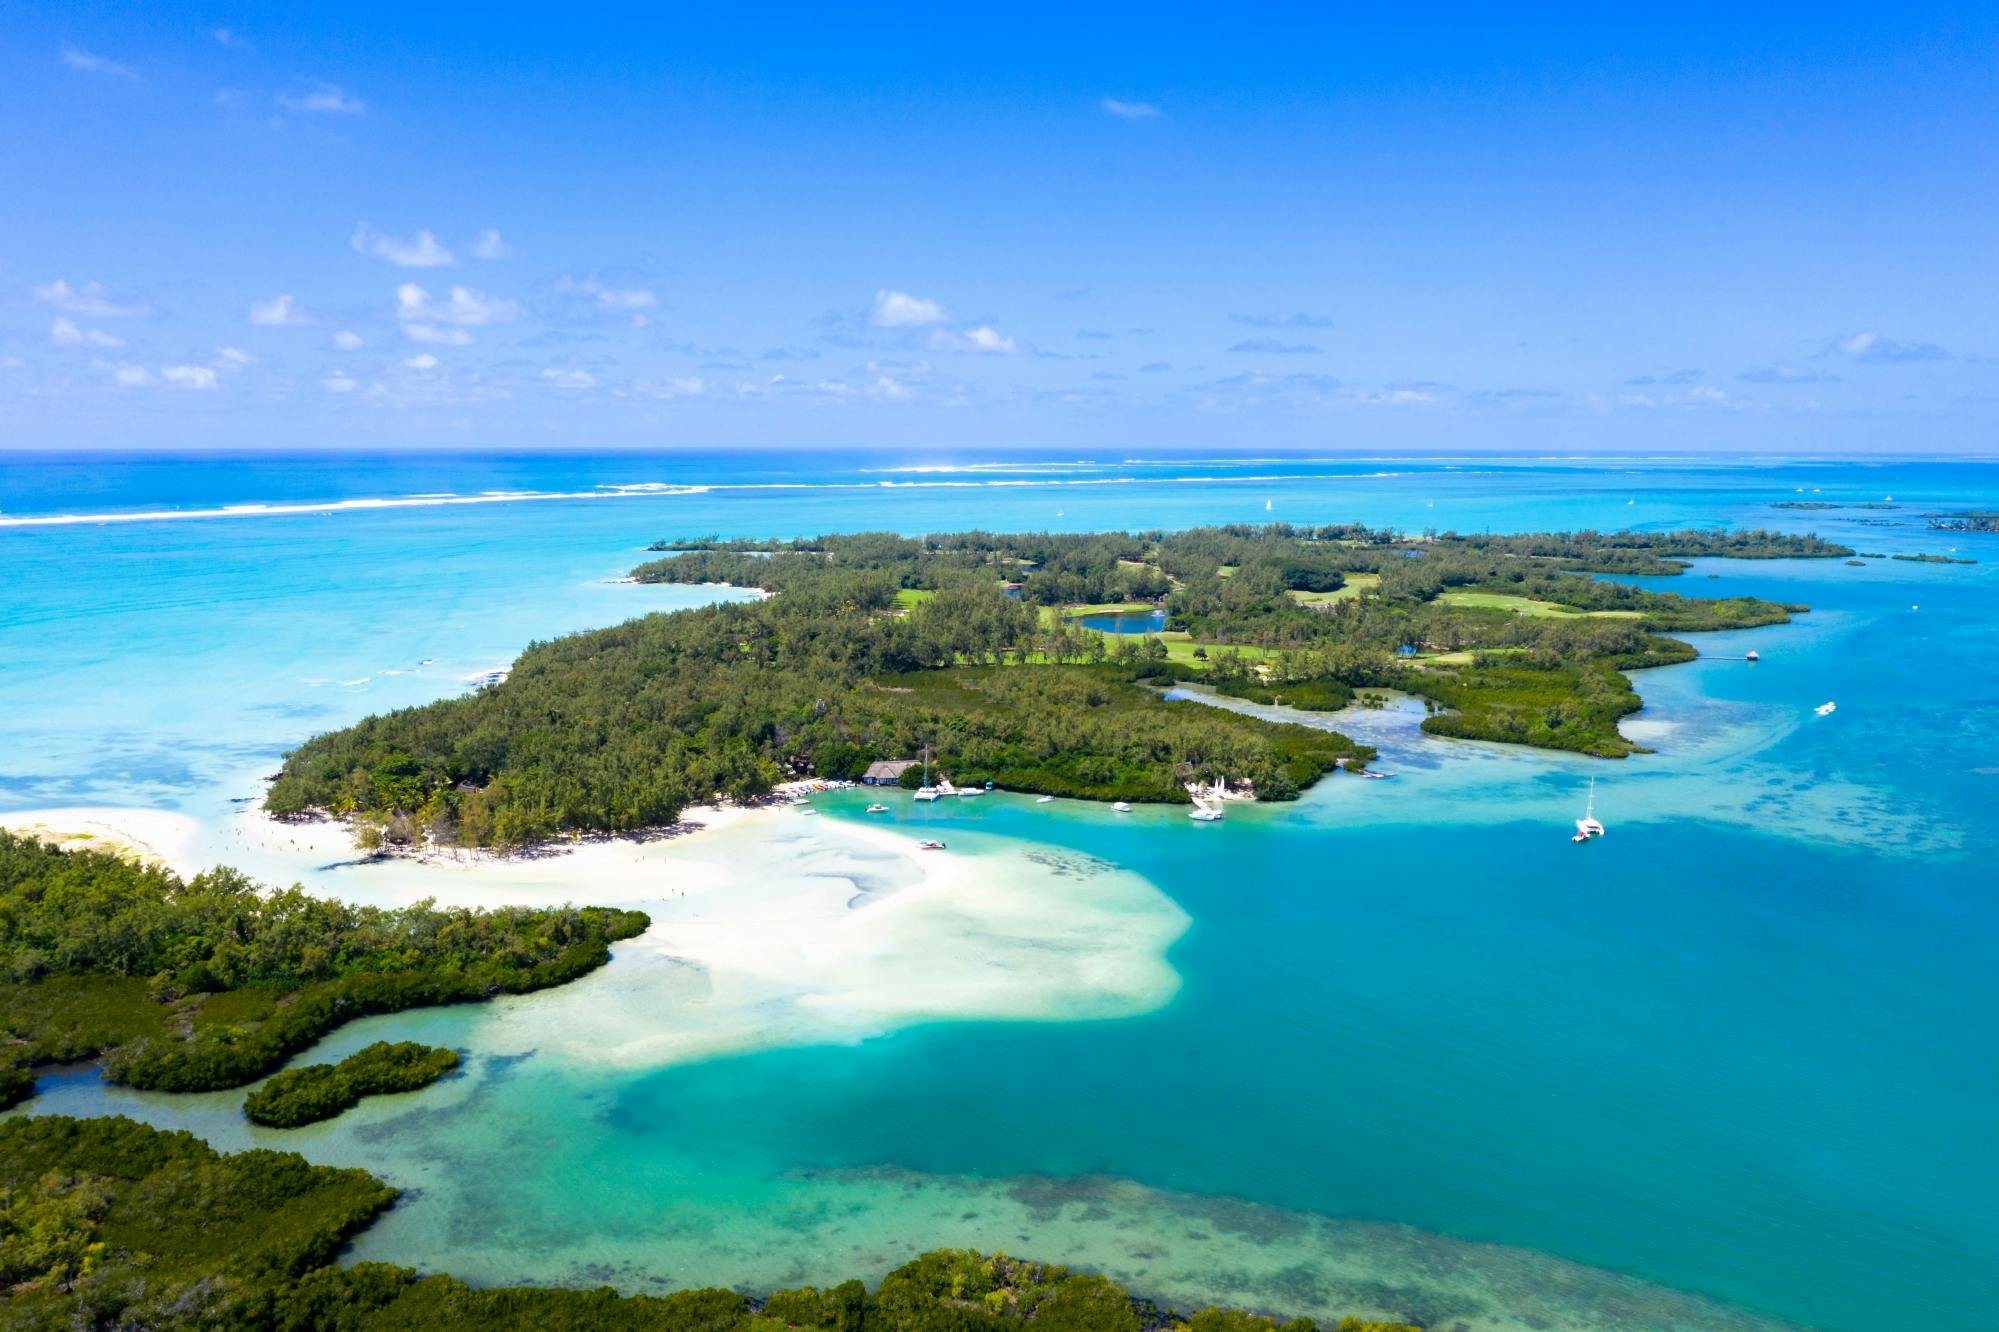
(1970, 520)
(314, 1092)
(875, 646)
(109, 1223)
(208, 983)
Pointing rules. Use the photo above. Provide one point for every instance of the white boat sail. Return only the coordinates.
(927, 791)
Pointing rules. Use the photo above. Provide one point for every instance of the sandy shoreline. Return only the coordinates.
(155, 836)
(187, 846)
(770, 928)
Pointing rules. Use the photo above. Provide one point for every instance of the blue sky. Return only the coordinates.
(1738, 228)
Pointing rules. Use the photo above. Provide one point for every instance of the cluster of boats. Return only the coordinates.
(943, 788)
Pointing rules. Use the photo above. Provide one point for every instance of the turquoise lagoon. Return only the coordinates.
(1730, 1066)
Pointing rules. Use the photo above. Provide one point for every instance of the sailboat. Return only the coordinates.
(1587, 826)
(927, 791)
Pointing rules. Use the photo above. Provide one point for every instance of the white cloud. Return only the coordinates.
(637, 299)
(422, 361)
(570, 379)
(488, 245)
(348, 340)
(464, 307)
(611, 298)
(278, 312)
(443, 337)
(1874, 349)
(232, 358)
(984, 338)
(339, 383)
(65, 333)
(78, 58)
(326, 98)
(132, 376)
(189, 376)
(419, 251)
(890, 390)
(231, 38)
(1124, 110)
(896, 309)
(89, 299)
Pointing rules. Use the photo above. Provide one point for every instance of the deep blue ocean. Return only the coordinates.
(1745, 1047)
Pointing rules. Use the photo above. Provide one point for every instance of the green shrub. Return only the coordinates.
(320, 1091)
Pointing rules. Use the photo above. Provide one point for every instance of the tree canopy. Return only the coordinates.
(871, 646)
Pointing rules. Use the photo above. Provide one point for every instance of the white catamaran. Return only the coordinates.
(1587, 826)
(927, 791)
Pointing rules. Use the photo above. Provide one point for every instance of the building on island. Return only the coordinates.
(886, 772)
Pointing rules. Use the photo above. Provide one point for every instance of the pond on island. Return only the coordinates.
(1125, 622)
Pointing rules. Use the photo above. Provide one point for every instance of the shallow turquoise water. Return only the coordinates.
(1740, 1047)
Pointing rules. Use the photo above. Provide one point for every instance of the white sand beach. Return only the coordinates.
(156, 836)
(769, 927)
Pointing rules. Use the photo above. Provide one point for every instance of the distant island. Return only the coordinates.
(1968, 521)
(987, 649)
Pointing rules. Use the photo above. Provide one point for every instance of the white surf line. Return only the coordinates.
(646, 490)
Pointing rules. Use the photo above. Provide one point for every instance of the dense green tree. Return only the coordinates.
(623, 728)
(206, 983)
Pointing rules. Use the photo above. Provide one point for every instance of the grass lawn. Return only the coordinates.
(1356, 584)
(910, 597)
(1527, 605)
(1111, 608)
(1180, 647)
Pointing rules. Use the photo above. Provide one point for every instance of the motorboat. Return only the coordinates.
(1120, 807)
(1044, 800)
(1826, 709)
(877, 809)
(930, 844)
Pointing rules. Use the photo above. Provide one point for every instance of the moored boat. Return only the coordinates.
(1587, 826)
